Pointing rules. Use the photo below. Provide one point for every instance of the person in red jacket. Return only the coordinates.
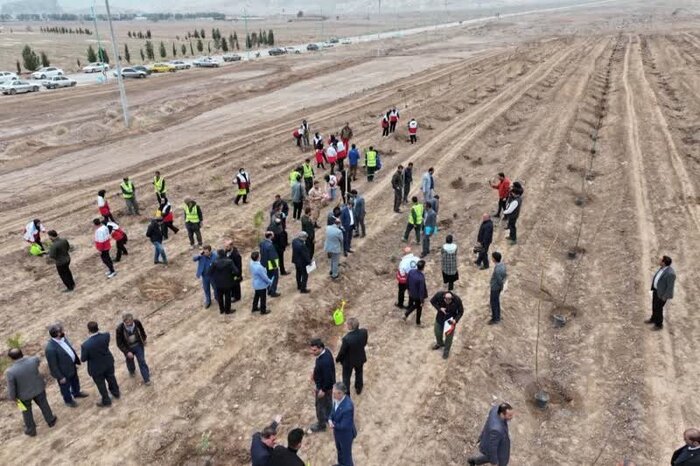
(166, 213)
(413, 130)
(118, 235)
(103, 206)
(503, 187)
(385, 125)
(103, 244)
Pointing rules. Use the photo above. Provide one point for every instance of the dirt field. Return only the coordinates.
(596, 110)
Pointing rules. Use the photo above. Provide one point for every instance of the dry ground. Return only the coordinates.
(596, 111)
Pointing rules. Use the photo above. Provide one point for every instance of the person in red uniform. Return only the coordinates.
(503, 187)
(393, 119)
(103, 244)
(413, 130)
(103, 206)
(166, 213)
(385, 125)
(120, 237)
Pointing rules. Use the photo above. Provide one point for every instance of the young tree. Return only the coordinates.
(191, 49)
(127, 55)
(148, 34)
(209, 46)
(224, 44)
(174, 50)
(183, 49)
(31, 60)
(45, 60)
(163, 53)
(143, 57)
(248, 42)
(201, 34)
(129, 34)
(196, 34)
(254, 40)
(200, 46)
(149, 50)
(270, 37)
(102, 55)
(77, 61)
(91, 56)
(19, 68)
(140, 36)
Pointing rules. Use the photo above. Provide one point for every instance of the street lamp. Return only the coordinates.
(120, 79)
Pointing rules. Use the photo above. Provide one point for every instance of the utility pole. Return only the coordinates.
(99, 45)
(245, 21)
(120, 79)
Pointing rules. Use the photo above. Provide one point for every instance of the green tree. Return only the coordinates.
(174, 50)
(143, 57)
(102, 55)
(196, 34)
(248, 42)
(191, 49)
(129, 34)
(148, 34)
(163, 53)
(149, 50)
(19, 68)
(127, 55)
(91, 55)
(45, 59)
(235, 39)
(183, 48)
(270, 37)
(200, 46)
(77, 61)
(224, 44)
(31, 60)
(201, 34)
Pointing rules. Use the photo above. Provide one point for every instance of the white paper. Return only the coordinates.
(311, 267)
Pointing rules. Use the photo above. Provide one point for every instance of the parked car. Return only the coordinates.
(17, 86)
(326, 45)
(96, 67)
(334, 40)
(276, 51)
(312, 47)
(180, 65)
(132, 73)
(47, 72)
(345, 41)
(58, 81)
(206, 62)
(145, 69)
(162, 68)
(232, 57)
(7, 76)
(292, 50)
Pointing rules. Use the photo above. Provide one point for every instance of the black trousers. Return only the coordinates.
(302, 277)
(107, 260)
(397, 199)
(166, 226)
(402, 294)
(104, 381)
(501, 206)
(310, 244)
(657, 310)
(298, 207)
(512, 228)
(236, 290)
(121, 248)
(194, 229)
(347, 373)
(409, 227)
(413, 138)
(415, 305)
(385, 131)
(483, 257)
(323, 408)
(392, 126)
(308, 184)
(280, 253)
(406, 190)
(260, 300)
(66, 275)
(223, 296)
(28, 417)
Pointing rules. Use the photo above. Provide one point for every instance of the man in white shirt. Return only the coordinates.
(63, 362)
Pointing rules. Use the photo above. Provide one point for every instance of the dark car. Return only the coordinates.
(312, 47)
(142, 68)
(276, 51)
(232, 57)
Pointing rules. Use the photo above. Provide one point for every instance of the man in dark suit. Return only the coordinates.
(662, 290)
(342, 421)
(484, 238)
(233, 254)
(494, 441)
(287, 456)
(263, 443)
(358, 210)
(100, 363)
(688, 454)
(301, 258)
(25, 384)
(62, 360)
(322, 380)
(352, 354)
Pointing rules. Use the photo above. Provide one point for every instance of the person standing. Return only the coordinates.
(131, 340)
(129, 195)
(494, 441)
(371, 163)
(346, 134)
(450, 273)
(103, 206)
(301, 259)
(63, 361)
(59, 253)
(263, 443)
(260, 281)
(408, 263)
(270, 260)
(305, 131)
(279, 240)
(407, 180)
(351, 355)
(512, 211)
(429, 228)
(449, 310)
(154, 232)
(347, 220)
(204, 260)
(233, 254)
(24, 385)
(159, 187)
(322, 379)
(193, 221)
(359, 212)
(316, 200)
(166, 213)
(484, 239)
(498, 281)
(502, 184)
(415, 220)
(100, 363)
(688, 454)
(308, 174)
(428, 185)
(120, 238)
(662, 285)
(287, 456)
(353, 161)
(307, 226)
(393, 119)
(413, 130)
(397, 186)
(333, 246)
(222, 272)
(385, 125)
(243, 182)
(298, 196)
(342, 421)
(417, 291)
(103, 244)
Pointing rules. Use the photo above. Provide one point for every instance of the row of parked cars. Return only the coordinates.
(51, 78)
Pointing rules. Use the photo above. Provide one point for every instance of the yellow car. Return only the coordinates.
(162, 68)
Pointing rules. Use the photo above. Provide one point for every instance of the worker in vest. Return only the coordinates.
(193, 221)
(270, 260)
(243, 182)
(166, 213)
(371, 163)
(413, 130)
(415, 220)
(159, 186)
(308, 174)
(119, 236)
(103, 244)
(393, 119)
(294, 176)
(129, 195)
(103, 206)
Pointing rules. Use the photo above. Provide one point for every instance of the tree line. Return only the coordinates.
(115, 17)
(65, 30)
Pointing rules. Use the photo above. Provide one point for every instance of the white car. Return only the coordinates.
(96, 67)
(345, 41)
(58, 81)
(293, 50)
(180, 65)
(7, 76)
(17, 87)
(47, 72)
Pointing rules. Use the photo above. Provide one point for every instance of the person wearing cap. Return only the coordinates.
(301, 258)
(263, 443)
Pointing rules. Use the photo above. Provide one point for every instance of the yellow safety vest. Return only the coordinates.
(308, 171)
(159, 184)
(273, 264)
(191, 216)
(418, 209)
(127, 190)
(371, 158)
(293, 177)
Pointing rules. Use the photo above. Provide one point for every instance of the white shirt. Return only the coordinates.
(352, 217)
(408, 263)
(512, 205)
(62, 343)
(336, 403)
(658, 276)
(100, 201)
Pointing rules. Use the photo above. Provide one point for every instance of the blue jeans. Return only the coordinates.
(139, 353)
(495, 304)
(207, 286)
(159, 252)
(70, 388)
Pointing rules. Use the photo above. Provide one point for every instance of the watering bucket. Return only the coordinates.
(339, 314)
